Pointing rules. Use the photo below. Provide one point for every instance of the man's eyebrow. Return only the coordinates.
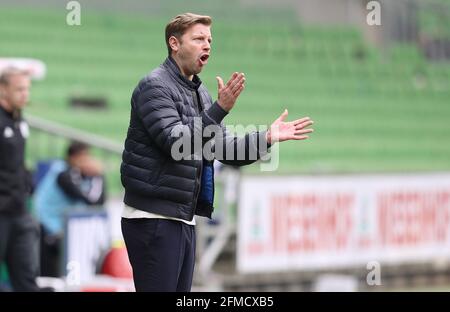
(201, 35)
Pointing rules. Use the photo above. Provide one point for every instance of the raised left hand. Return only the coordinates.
(293, 130)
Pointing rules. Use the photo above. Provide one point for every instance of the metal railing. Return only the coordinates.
(55, 129)
(49, 140)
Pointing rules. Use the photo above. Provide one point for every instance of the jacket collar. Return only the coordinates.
(175, 72)
(11, 115)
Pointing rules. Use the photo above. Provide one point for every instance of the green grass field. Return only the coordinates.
(374, 111)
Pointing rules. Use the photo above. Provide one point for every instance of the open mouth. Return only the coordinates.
(204, 59)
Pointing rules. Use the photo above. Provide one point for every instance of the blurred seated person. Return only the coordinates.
(75, 183)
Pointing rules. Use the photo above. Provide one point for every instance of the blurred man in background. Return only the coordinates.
(19, 232)
(77, 182)
(162, 192)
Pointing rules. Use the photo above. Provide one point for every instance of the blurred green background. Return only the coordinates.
(376, 109)
(379, 95)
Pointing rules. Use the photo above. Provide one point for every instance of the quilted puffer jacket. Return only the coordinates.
(162, 103)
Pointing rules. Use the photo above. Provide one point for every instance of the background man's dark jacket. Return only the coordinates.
(154, 181)
(15, 180)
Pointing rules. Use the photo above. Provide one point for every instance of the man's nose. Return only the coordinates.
(207, 46)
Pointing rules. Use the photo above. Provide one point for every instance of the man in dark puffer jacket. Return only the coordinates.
(164, 191)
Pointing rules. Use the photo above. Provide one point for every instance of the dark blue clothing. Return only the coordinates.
(161, 252)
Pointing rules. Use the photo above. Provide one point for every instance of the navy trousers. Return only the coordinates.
(161, 253)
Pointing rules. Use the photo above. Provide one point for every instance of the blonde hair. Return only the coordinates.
(180, 23)
(6, 74)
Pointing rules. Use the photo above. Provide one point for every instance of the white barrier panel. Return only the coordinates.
(288, 223)
(87, 238)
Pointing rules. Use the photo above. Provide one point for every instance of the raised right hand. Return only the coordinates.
(229, 93)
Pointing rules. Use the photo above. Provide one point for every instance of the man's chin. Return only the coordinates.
(197, 71)
(17, 107)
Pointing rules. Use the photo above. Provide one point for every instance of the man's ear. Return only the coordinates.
(174, 43)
